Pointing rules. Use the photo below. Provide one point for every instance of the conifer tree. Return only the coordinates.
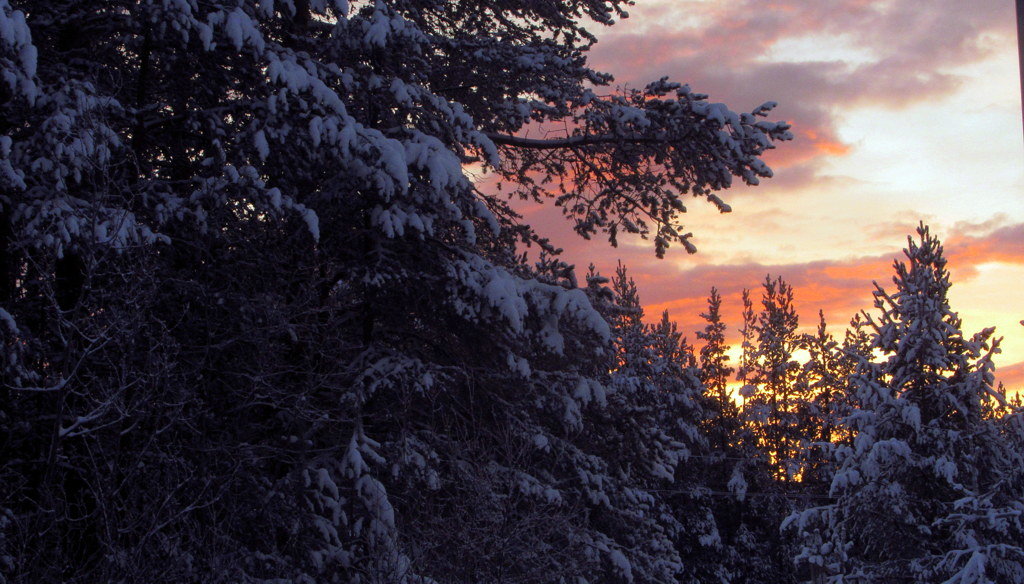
(822, 382)
(259, 325)
(775, 406)
(692, 495)
(928, 491)
(746, 505)
(714, 368)
(744, 372)
(654, 415)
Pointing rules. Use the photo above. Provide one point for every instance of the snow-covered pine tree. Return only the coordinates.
(928, 491)
(657, 411)
(724, 427)
(693, 496)
(748, 346)
(264, 326)
(641, 450)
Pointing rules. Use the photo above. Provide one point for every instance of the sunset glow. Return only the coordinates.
(902, 112)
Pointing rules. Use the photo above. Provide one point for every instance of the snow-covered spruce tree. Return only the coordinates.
(928, 491)
(730, 444)
(692, 495)
(723, 424)
(257, 322)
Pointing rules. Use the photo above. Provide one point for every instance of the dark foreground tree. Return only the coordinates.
(258, 324)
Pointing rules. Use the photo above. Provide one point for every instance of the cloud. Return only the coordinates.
(961, 228)
(1012, 376)
(966, 252)
(891, 54)
(840, 288)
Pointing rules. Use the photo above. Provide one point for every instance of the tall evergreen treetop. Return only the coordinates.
(714, 367)
(928, 490)
(928, 356)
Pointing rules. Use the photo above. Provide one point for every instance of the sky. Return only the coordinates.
(903, 111)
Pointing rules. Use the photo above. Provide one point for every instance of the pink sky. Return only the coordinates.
(903, 111)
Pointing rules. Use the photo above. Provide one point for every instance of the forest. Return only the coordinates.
(259, 323)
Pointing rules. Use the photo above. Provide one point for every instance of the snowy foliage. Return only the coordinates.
(259, 325)
(928, 490)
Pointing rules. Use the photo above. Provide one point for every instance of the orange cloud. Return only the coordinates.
(865, 269)
(825, 144)
(840, 288)
(1012, 377)
(966, 252)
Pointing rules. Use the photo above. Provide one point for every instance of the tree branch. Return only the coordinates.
(576, 141)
